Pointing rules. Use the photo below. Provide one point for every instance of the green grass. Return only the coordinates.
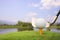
(30, 35)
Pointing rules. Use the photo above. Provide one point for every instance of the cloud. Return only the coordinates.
(46, 4)
(56, 3)
(29, 16)
(33, 5)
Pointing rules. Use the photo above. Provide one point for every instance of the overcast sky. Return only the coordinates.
(24, 10)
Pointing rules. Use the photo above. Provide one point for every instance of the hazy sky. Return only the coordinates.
(14, 10)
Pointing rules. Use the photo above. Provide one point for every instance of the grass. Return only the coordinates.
(30, 35)
(12, 26)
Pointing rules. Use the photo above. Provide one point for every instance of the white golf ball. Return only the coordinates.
(38, 22)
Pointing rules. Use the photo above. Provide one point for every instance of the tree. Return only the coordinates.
(24, 26)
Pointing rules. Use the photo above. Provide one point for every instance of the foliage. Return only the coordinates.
(21, 26)
(57, 27)
(58, 24)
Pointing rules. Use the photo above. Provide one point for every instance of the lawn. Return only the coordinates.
(30, 35)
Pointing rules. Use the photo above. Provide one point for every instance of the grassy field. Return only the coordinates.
(30, 35)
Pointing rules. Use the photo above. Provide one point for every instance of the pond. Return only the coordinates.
(53, 30)
(3, 31)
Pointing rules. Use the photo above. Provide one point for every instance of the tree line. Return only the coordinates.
(20, 26)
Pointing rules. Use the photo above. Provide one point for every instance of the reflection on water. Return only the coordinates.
(55, 30)
(3, 31)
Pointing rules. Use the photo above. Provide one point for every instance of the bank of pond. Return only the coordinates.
(10, 30)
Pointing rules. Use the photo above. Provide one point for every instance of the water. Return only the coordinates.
(53, 30)
(3, 31)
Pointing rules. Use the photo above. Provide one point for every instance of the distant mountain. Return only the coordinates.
(7, 22)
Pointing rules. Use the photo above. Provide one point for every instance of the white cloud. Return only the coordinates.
(33, 5)
(46, 4)
(56, 3)
(29, 16)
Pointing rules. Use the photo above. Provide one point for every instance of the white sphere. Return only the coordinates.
(39, 22)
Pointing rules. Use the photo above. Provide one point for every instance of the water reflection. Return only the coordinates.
(55, 30)
(3, 31)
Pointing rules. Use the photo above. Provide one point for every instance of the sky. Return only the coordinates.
(24, 10)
